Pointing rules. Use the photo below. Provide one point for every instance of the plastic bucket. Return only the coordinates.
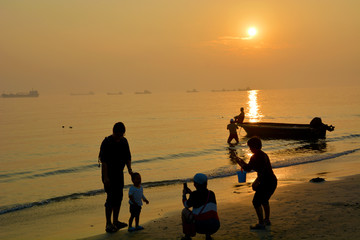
(241, 176)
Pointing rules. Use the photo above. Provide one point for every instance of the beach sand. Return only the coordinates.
(299, 210)
(327, 210)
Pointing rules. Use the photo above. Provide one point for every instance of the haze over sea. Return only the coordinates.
(49, 145)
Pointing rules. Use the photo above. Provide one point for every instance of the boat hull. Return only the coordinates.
(283, 130)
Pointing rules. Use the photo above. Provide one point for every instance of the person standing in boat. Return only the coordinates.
(232, 127)
(240, 118)
(265, 183)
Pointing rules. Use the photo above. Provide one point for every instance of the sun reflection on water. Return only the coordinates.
(253, 110)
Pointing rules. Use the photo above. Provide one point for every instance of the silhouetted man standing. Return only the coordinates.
(114, 155)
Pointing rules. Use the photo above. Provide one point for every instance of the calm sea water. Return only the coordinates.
(49, 145)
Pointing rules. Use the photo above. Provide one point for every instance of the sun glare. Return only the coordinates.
(253, 110)
(252, 31)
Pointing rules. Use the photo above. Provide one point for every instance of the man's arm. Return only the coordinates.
(128, 161)
(104, 172)
(128, 165)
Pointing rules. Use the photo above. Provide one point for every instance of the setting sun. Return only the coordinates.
(252, 31)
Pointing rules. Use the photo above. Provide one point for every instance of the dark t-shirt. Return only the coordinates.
(198, 198)
(232, 128)
(260, 163)
(205, 213)
(115, 155)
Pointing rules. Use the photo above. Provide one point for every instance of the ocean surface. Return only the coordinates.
(49, 145)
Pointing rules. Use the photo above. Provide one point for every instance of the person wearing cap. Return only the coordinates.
(232, 127)
(203, 217)
(240, 118)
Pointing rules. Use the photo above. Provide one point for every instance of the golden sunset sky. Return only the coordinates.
(62, 46)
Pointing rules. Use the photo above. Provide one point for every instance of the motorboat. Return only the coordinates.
(314, 130)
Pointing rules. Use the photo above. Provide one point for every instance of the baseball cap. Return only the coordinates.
(200, 178)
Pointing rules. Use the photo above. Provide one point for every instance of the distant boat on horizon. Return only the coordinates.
(114, 93)
(82, 94)
(32, 93)
(144, 92)
(232, 90)
(192, 91)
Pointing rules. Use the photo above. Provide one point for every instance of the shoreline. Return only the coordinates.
(311, 210)
(304, 210)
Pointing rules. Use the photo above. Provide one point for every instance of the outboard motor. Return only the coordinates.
(316, 122)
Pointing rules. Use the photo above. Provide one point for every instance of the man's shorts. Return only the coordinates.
(114, 196)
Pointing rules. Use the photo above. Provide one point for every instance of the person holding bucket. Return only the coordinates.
(241, 176)
(265, 183)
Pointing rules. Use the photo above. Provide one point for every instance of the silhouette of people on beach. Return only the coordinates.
(232, 127)
(203, 218)
(240, 118)
(114, 155)
(265, 183)
(136, 197)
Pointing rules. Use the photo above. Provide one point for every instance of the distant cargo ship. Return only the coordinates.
(144, 92)
(114, 93)
(192, 91)
(82, 94)
(232, 90)
(32, 93)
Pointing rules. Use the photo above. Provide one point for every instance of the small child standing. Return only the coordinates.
(136, 196)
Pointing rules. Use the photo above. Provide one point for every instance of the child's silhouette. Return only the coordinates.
(136, 196)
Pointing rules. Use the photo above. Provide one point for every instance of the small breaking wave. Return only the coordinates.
(341, 138)
(75, 196)
(9, 209)
(311, 159)
(273, 145)
(10, 177)
(222, 172)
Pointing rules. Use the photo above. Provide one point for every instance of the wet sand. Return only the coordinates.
(327, 210)
(299, 210)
